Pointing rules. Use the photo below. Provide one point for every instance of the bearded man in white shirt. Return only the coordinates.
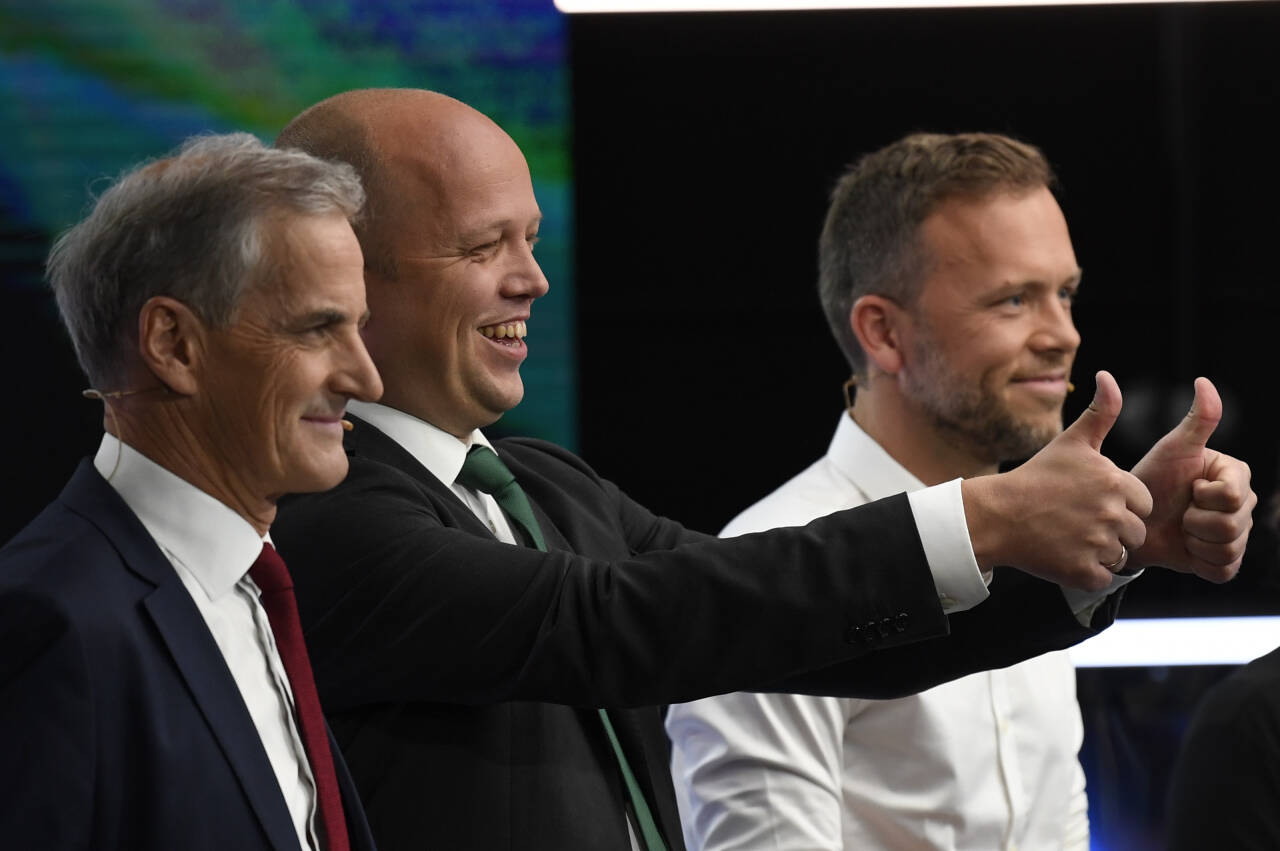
(947, 276)
(154, 691)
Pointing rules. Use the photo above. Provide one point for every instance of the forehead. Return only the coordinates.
(316, 261)
(998, 240)
(462, 179)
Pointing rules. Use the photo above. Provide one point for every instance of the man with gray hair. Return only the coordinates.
(947, 276)
(154, 690)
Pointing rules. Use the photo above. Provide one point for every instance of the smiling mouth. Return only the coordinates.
(506, 333)
(1055, 385)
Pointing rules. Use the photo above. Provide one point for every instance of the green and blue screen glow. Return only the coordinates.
(88, 89)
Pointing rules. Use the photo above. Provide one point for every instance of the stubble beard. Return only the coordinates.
(972, 415)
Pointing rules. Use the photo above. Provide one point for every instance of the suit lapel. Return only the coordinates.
(365, 440)
(216, 694)
(188, 640)
(550, 534)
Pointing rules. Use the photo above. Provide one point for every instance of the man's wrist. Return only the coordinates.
(979, 497)
(944, 535)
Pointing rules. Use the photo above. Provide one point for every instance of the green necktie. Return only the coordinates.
(484, 471)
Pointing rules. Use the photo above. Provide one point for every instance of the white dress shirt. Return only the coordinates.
(211, 548)
(985, 762)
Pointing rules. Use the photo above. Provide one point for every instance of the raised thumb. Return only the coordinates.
(1206, 410)
(1100, 416)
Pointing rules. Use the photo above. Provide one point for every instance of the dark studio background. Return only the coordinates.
(683, 162)
(704, 148)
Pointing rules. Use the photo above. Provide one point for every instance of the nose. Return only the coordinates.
(524, 279)
(357, 377)
(1057, 330)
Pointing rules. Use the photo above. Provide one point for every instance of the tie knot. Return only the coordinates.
(484, 471)
(269, 572)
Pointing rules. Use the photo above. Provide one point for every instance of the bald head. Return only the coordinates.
(405, 144)
(448, 244)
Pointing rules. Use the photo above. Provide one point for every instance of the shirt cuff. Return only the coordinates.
(944, 533)
(1084, 603)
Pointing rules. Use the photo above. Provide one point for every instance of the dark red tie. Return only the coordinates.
(276, 585)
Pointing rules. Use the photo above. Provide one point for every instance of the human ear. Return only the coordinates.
(877, 323)
(172, 342)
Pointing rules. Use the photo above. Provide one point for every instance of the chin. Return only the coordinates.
(498, 402)
(322, 477)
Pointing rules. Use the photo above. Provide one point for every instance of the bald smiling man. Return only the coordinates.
(493, 633)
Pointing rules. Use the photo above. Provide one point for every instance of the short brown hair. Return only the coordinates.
(870, 240)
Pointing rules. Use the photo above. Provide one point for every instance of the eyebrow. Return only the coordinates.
(481, 232)
(1013, 286)
(323, 316)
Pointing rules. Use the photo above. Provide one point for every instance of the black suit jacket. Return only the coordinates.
(120, 723)
(460, 673)
(1225, 792)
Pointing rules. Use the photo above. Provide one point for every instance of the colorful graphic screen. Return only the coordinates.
(87, 89)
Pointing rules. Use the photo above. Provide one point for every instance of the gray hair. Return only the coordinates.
(193, 226)
(870, 241)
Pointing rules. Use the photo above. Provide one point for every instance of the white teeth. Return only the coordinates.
(510, 330)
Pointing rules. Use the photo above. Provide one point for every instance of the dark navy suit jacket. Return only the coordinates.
(120, 723)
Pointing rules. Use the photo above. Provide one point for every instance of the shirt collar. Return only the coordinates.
(210, 539)
(432, 447)
(864, 462)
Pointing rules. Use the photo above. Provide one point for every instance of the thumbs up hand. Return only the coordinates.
(1203, 504)
(1068, 514)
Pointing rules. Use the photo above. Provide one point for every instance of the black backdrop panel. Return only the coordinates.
(704, 149)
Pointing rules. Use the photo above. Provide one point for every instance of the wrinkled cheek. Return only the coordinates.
(274, 419)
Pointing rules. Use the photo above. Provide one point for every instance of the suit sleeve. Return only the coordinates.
(46, 728)
(401, 603)
(1024, 617)
(403, 600)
